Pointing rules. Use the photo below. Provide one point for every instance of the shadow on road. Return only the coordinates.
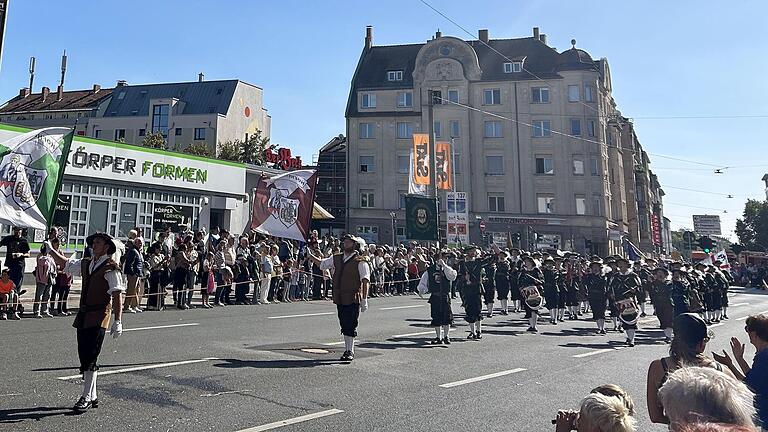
(275, 364)
(77, 367)
(17, 415)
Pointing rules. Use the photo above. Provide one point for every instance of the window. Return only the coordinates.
(119, 134)
(160, 119)
(517, 66)
(491, 97)
(437, 97)
(540, 95)
(96, 133)
(493, 129)
(546, 203)
(581, 205)
(404, 130)
(199, 133)
(507, 67)
(367, 229)
(366, 164)
(366, 130)
(368, 100)
(589, 93)
(542, 128)
(496, 202)
(575, 127)
(396, 75)
(455, 129)
(437, 128)
(401, 199)
(403, 164)
(494, 165)
(597, 207)
(142, 132)
(177, 132)
(405, 99)
(591, 128)
(366, 198)
(573, 93)
(545, 165)
(594, 167)
(578, 165)
(453, 96)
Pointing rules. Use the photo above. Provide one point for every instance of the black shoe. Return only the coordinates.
(82, 405)
(643, 315)
(725, 317)
(95, 403)
(347, 356)
(621, 330)
(490, 315)
(630, 343)
(532, 330)
(504, 312)
(446, 341)
(602, 332)
(435, 341)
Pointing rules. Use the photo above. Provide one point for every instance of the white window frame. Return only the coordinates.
(367, 100)
(578, 93)
(496, 198)
(517, 66)
(545, 160)
(543, 126)
(405, 99)
(545, 203)
(367, 198)
(395, 75)
(498, 129)
(369, 167)
(578, 160)
(583, 200)
(408, 130)
(543, 93)
(369, 128)
(508, 67)
(493, 100)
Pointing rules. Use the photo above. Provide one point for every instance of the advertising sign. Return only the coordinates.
(655, 229)
(457, 219)
(169, 215)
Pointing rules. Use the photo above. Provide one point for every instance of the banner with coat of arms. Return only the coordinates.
(420, 218)
(282, 205)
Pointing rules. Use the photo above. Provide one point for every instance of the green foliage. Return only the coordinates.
(752, 229)
(155, 140)
(199, 149)
(250, 151)
(229, 151)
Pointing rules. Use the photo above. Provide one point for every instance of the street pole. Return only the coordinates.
(432, 156)
(453, 189)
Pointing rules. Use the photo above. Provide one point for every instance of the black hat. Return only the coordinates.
(699, 264)
(622, 259)
(529, 258)
(111, 247)
(595, 263)
(690, 328)
(469, 247)
(610, 260)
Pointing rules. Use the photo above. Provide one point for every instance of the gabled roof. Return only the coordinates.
(336, 143)
(199, 97)
(71, 100)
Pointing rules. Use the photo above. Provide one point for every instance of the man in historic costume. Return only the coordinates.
(551, 288)
(489, 284)
(502, 281)
(646, 278)
(625, 285)
(661, 293)
(530, 279)
(609, 270)
(597, 294)
(723, 283)
(706, 288)
(679, 291)
(351, 281)
(437, 281)
(101, 294)
(572, 285)
(473, 270)
(515, 263)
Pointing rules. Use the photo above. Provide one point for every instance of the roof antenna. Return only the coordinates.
(573, 43)
(31, 73)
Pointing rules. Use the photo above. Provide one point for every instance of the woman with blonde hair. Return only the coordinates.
(598, 413)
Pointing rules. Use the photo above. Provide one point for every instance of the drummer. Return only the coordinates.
(530, 280)
(625, 285)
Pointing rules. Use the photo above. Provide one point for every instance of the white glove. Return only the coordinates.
(364, 305)
(117, 329)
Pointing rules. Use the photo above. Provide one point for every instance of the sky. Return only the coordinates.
(689, 73)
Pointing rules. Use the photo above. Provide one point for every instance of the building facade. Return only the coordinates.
(534, 132)
(201, 112)
(331, 191)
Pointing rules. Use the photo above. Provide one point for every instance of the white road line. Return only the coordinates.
(596, 352)
(294, 420)
(339, 343)
(742, 318)
(160, 327)
(402, 307)
(413, 334)
(140, 368)
(481, 378)
(302, 315)
(739, 304)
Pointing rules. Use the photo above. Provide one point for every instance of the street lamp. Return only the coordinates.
(393, 215)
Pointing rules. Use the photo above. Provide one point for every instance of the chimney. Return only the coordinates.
(46, 92)
(24, 92)
(122, 83)
(60, 92)
(438, 34)
(543, 38)
(96, 88)
(482, 34)
(535, 33)
(368, 37)
(200, 77)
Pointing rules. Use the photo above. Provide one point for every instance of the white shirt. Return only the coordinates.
(362, 266)
(114, 281)
(448, 271)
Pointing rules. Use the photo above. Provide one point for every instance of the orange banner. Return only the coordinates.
(443, 167)
(420, 159)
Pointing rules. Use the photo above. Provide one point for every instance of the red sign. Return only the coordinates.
(282, 159)
(655, 229)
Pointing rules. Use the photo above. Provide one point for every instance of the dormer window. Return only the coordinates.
(396, 75)
(513, 67)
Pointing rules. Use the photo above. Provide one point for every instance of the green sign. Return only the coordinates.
(420, 218)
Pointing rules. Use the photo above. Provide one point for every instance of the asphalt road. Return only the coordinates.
(246, 368)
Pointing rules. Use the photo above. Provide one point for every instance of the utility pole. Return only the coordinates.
(433, 156)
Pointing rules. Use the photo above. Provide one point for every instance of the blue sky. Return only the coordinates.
(668, 59)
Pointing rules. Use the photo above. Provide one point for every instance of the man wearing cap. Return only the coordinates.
(437, 281)
(473, 270)
(722, 283)
(502, 280)
(530, 275)
(624, 286)
(551, 288)
(661, 289)
(101, 294)
(351, 281)
(597, 294)
(645, 279)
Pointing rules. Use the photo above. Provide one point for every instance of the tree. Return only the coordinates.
(752, 229)
(154, 140)
(198, 149)
(252, 150)
(230, 150)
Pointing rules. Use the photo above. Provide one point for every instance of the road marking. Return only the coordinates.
(402, 307)
(481, 378)
(294, 420)
(339, 343)
(413, 334)
(739, 304)
(717, 325)
(742, 318)
(302, 315)
(139, 368)
(596, 352)
(160, 327)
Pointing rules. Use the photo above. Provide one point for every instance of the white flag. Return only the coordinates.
(413, 188)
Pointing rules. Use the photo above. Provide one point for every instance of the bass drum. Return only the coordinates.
(532, 297)
(628, 312)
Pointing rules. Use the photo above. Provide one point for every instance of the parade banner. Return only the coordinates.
(31, 170)
(457, 219)
(421, 218)
(421, 159)
(722, 256)
(413, 188)
(443, 166)
(282, 205)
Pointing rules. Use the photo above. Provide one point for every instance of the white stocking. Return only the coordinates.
(552, 314)
(613, 319)
(668, 333)
(88, 383)
(642, 308)
(503, 305)
(446, 329)
(532, 320)
(631, 335)
(349, 344)
(93, 386)
(437, 332)
(479, 326)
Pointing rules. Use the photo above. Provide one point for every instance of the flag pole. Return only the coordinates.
(62, 167)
